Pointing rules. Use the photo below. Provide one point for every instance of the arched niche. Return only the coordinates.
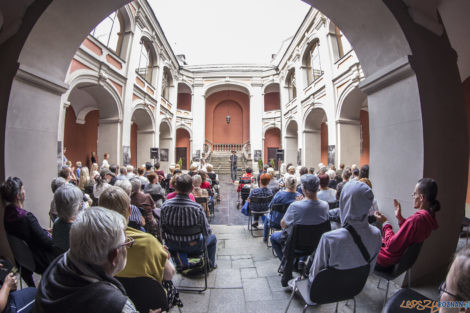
(142, 135)
(315, 136)
(272, 97)
(292, 144)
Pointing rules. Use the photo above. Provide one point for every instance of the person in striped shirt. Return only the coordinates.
(181, 211)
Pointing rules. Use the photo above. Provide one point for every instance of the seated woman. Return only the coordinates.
(147, 257)
(326, 194)
(145, 203)
(262, 192)
(413, 229)
(199, 192)
(205, 184)
(24, 225)
(12, 300)
(154, 189)
(284, 197)
(337, 248)
(136, 219)
(214, 179)
(273, 183)
(247, 176)
(68, 201)
(193, 169)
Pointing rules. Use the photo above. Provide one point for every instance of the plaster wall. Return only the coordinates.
(133, 144)
(109, 140)
(272, 101)
(144, 143)
(364, 118)
(312, 147)
(184, 101)
(183, 140)
(272, 139)
(349, 143)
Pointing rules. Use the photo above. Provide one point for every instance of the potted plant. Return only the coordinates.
(180, 162)
(260, 165)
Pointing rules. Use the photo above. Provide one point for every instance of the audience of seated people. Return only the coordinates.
(81, 280)
(160, 173)
(180, 211)
(24, 225)
(284, 197)
(261, 192)
(173, 194)
(309, 211)
(337, 249)
(68, 201)
(413, 229)
(245, 177)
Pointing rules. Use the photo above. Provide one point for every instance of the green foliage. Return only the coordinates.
(180, 162)
(260, 165)
(271, 163)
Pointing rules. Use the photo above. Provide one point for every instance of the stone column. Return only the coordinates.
(109, 134)
(256, 119)
(348, 149)
(199, 116)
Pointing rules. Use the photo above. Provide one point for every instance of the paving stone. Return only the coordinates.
(226, 301)
(224, 264)
(228, 278)
(256, 289)
(198, 281)
(267, 268)
(275, 283)
(242, 263)
(249, 272)
(194, 302)
(240, 257)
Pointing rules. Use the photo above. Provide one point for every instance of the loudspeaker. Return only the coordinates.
(154, 153)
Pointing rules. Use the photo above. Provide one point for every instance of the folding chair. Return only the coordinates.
(406, 262)
(302, 241)
(145, 292)
(194, 230)
(23, 255)
(251, 213)
(281, 209)
(331, 285)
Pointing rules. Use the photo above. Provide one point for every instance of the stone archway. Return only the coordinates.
(292, 145)
(315, 136)
(142, 136)
(92, 124)
(353, 129)
(272, 142)
(183, 147)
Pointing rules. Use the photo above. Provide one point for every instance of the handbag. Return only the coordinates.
(244, 209)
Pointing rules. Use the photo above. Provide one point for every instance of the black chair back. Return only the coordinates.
(245, 181)
(22, 253)
(333, 205)
(201, 200)
(182, 230)
(261, 199)
(146, 293)
(302, 241)
(334, 285)
(307, 237)
(279, 207)
(408, 259)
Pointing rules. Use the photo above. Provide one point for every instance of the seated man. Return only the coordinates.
(181, 211)
(337, 248)
(261, 192)
(146, 257)
(309, 211)
(81, 280)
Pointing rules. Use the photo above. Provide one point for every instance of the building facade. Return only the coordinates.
(128, 92)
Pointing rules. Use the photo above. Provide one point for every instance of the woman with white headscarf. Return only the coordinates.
(337, 248)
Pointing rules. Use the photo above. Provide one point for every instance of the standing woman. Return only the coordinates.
(413, 229)
(24, 225)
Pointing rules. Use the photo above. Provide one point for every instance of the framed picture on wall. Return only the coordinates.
(164, 155)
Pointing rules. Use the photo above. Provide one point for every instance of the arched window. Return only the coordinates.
(291, 84)
(145, 68)
(166, 83)
(110, 32)
(312, 62)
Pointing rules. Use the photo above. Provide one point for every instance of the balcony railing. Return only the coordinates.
(227, 147)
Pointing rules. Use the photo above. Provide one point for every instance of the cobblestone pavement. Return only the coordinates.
(226, 212)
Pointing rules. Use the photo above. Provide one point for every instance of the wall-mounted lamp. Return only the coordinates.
(228, 118)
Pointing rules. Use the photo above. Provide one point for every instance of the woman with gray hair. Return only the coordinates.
(136, 220)
(68, 200)
(81, 280)
(55, 184)
(146, 205)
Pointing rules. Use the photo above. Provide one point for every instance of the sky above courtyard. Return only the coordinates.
(224, 31)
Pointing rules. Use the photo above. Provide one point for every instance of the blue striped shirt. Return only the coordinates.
(182, 211)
